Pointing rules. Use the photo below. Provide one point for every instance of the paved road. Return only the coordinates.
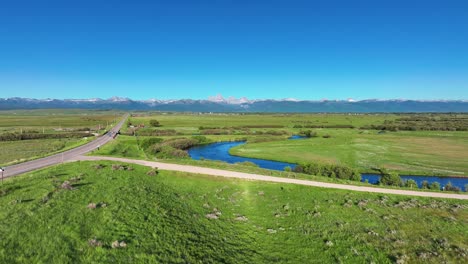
(257, 177)
(64, 156)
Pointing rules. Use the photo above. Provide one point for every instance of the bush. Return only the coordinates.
(450, 187)
(167, 152)
(326, 136)
(153, 172)
(308, 133)
(154, 123)
(287, 169)
(216, 132)
(425, 185)
(157, 132)
(435, 186)
(148, 142)
(201, 139)
(247, 163)
(180, 143)
(30, 136)
(298, 169)
(391, 179)
(328, 170)
(411, 184)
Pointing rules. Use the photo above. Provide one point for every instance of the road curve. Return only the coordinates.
(63, 156)
(257, 177)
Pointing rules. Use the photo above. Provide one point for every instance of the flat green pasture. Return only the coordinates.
(178, 218)
(427, 152)
(19, 151)
(405, 152)
(48, 122)
(53, 120)
(191, 122)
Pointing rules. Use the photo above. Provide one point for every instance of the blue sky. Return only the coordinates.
(258, 49)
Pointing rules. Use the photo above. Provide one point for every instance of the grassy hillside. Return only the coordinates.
(177, 217)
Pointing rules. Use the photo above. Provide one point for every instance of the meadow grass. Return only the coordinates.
(126, 147)
(190, 123)
(13, 152)
(48, 122)
(426, 153)
(179, 217)
(441, 153)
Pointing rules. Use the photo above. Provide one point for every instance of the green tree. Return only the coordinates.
(425, 185)
(392, 179)
(411, 184)
(435, 186)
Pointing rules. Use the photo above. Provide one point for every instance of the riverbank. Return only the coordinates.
(222, 151)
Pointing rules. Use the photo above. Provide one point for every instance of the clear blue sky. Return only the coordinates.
(259, 49)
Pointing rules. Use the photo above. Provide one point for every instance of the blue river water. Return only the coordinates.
(220, 151)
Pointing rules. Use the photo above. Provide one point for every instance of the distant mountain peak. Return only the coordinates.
(219, 103)
(230, 100)
(118, 99)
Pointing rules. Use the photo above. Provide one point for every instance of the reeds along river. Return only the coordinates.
(220, 151)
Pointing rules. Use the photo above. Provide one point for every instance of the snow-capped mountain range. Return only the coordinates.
(219, 103)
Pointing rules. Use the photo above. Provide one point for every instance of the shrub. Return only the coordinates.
(157, 132)
(216, 132)
(153, 172)
(287, 168)
(154, 123)
(167, 152)
(392, 179)
(298, 169)
(328, 170)
(434, 186)
(148, 142)
(411, 183)
(450, 187)
(201, 139)
(117, 167)
(181, 143)
(425, 185)
(247, 163)
(308, 133)
(326, 136)
(98, 166)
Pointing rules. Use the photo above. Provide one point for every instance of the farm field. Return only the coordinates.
(347, 139)
(30, 134)
(23, 150)
(76, 212)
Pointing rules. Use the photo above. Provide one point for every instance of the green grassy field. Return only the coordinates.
(177, 217)
(19, 151)
(427, 153)
(49, 122)
(406, 152)
(191, 122)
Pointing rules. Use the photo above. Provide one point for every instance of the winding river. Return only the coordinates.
(220, 151)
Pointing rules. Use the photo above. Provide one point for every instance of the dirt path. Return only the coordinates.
(257, 177)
